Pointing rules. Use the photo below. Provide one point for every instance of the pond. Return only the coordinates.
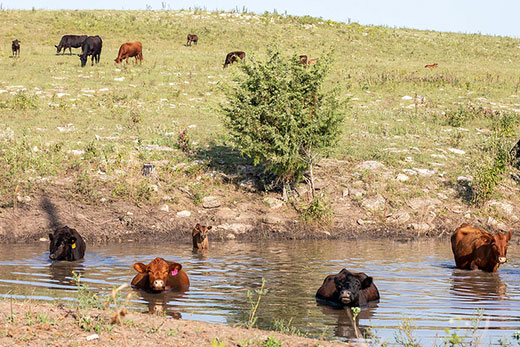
(417, 282)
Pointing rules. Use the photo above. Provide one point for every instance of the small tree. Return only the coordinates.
(279, 115)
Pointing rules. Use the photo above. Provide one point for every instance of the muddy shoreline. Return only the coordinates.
(122, 221)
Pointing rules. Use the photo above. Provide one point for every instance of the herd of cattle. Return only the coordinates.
(472, 248)
(92, 45)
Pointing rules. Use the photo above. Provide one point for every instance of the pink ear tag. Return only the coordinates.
(175, 272)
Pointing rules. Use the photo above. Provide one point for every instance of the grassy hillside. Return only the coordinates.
(92, 129)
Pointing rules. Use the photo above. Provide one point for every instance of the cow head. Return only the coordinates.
(83, 57)
(62, 243)
(158, 271)
(201, 231)
(58, 49)
(348, 287)
(498, 242)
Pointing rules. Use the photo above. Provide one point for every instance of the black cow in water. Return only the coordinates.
(70, 41)
(347, 288)
(91, 46)
(66, 244)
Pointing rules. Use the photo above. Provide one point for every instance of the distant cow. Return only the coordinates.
(306, 62)
(160, 275)
(347, 288)
(15, 46)
(233, 57)
(66, 244)
(129, 50)
(70, 41)
(514, 154)
(431, 66)
(91, 46)
(192, 38)
(474, 248)
(200, 236)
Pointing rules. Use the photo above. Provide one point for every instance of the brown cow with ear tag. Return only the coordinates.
(160, 275)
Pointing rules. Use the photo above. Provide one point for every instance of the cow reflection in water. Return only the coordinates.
(478, 285)
(62, 272)
(161, 303)
(345, 323)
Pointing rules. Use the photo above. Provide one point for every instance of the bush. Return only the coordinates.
(279, 115)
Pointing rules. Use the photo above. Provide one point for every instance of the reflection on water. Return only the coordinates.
(416, 280)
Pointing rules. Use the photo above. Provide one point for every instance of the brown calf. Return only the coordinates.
(15, 46)
(200, 236)
(233, 57)
(474, 248)
(129, 50)
(160, 275)
(192, 38)
(431, 66)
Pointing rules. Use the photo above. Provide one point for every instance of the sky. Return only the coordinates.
(493, 17)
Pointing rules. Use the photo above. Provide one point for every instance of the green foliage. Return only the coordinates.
(22, 101)
(355, 312)
(279, 113)
(271, 341)
(86, 299)
(318, 210)
(404, 336)
(254, 304)
(283, 327)
(215, 342)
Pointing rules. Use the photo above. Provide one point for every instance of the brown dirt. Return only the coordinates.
(36, 324)
(123, 221)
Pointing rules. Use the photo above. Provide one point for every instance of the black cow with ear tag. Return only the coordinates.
(66, 244)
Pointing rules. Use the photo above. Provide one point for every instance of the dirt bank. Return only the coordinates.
(36, 324)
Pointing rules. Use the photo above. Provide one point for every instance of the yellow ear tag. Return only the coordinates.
(73, 245)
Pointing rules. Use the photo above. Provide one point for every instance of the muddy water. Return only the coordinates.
(416, 280)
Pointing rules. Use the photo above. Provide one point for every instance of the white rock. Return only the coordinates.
(456, 151)
(92, 337)
(375, 203)
(184, 213)
(165, 208)
(273, 202)
(410, 172)
(402, 177)
(420, 227)
(407, 97)
(370, 165)
(424, 172)
(210, 202)
(237, 228)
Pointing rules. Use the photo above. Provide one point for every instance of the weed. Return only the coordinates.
(286, 328)
(215, 342)
(254, 304)
(404, 336)
(183, 141)
(86, 299)
(271, 342)
(22, 101)
(318, 210)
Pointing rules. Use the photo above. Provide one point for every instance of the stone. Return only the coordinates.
(424, 203)
(502, 207)
(357, 193)
(370, 165)
(273, 202)
(345, 193)
(154, 187)
(420, 227)
(399, 217)
(457, 209)
(184, 213)
(456, 151)
(407, 97)
(230, 236)
(424, 172)
(410, 172)
(248, 184)
(165, 208)
(464, 179)
(325, 232)
(499, 225)
(210, 202)
(236, 228)
(375, 203)
(402, 177)
(272, 220)
(365, 221)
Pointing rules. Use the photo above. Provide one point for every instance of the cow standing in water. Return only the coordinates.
(91, 46)
(233, 57)
(66, 244)
(352, 289)
(192, 38)
(160, 275)
(70, 41)
(15, 47)
(474, 248)
(200, 236)
(129, 50)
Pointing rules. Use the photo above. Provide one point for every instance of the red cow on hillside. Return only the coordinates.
(192, 38)
(474, 248)
(129, 50)
(160, 275)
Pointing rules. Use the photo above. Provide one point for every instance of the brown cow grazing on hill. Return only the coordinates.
(233, 57)
(15, 47)
(305, 61)
(431, 66)
(347, 288)
(160, 275)
(474, 248)
(192, 38)
(129, 50)
(200, 236)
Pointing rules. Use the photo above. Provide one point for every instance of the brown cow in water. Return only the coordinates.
(347, 288)
(192, 38)
(474, 248)
(233, 57)
(160, 275)
(129, 50)
(200, 236)
(431, 66)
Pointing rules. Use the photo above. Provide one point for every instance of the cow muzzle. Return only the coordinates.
(158, 285)
(502, 260)
(345, 297)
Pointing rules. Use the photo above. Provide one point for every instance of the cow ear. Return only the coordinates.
(72, 240)
(367, 282)
(209, 228)
(175, 266)
(141, 268)
(508, 235)
(487, 239)
(51, 236)
(197, 226)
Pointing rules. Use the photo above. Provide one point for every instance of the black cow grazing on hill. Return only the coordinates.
(192, 38)
(70, 41)
(15, 46)
(233, 57)
(91, 46)
(66, 244)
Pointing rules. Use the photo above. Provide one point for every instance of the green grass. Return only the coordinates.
(114, 118)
